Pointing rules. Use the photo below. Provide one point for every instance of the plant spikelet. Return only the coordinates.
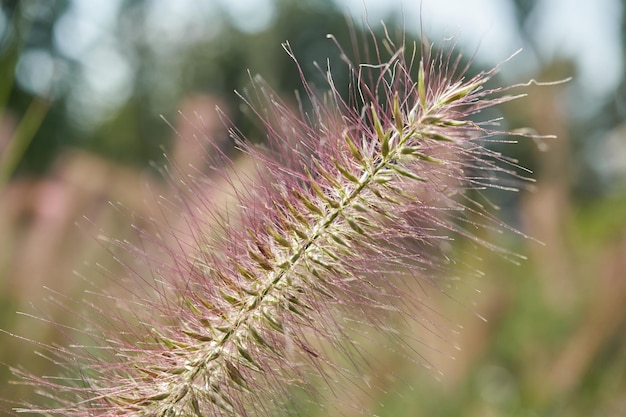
(339, 219)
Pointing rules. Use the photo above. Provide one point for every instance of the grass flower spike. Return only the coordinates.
(350, 208)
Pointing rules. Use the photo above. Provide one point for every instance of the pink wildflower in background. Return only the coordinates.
(253, 298)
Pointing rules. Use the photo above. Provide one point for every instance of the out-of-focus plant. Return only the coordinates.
(350, 206)
(20, 139)
(21, 136)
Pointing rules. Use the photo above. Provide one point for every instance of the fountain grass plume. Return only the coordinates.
(348, 207)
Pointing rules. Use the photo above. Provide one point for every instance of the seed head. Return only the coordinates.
(346, 211)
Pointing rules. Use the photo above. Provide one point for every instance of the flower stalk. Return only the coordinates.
(349, 198)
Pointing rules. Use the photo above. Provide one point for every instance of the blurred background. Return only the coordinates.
(86, 88)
